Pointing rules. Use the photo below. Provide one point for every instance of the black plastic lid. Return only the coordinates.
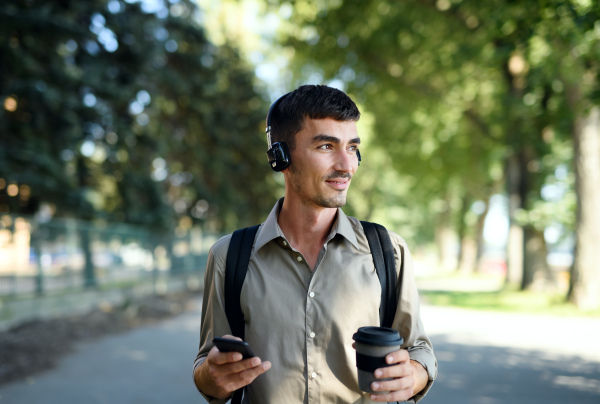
(381, 336)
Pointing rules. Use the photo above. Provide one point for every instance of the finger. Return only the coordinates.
(399, 384)
(396, 390)
(225, 357)
(232, 376)
(402, 369)
(398, 356)
(244, 378)
(252, 373)
(221, 358)
(402, 395)
(241, 366)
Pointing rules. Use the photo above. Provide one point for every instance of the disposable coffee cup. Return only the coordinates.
(372, 345)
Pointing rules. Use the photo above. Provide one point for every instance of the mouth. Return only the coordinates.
(338, 183)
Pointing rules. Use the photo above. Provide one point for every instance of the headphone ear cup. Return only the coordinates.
(279, 156)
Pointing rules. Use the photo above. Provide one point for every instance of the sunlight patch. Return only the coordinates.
(578, 383)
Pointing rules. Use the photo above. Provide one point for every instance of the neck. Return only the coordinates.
(306, 227)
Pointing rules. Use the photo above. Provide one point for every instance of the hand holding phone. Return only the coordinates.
(218, 378)
(233, 345)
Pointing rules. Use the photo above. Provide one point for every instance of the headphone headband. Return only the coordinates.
(273, 106)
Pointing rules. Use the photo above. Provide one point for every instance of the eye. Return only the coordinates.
(326, 147)
(353, 148)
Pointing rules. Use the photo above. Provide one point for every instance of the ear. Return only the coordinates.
(279, 156)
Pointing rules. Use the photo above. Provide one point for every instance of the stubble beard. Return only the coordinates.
(336, 201)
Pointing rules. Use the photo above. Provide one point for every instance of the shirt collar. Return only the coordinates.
(271, 230)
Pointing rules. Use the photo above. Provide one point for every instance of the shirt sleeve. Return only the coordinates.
(408, 319)
(214, 321)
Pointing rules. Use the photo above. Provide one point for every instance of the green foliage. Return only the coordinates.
(115, 111)
(457, 87)
(430, 106)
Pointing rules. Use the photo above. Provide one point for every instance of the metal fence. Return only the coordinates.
(69, 255)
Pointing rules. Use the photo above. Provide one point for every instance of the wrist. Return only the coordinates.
(205, 383)
(420, 376)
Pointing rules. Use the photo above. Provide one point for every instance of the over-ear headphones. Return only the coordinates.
(278, 152)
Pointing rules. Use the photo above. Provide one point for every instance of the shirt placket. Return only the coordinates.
(311, 332)
(311, 349)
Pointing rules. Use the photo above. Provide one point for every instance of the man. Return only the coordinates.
(311, 281)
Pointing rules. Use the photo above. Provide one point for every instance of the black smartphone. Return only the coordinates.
(234, 345)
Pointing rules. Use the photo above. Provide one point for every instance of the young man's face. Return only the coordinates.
(323, 162)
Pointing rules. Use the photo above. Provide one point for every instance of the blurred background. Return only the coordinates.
(132, 137)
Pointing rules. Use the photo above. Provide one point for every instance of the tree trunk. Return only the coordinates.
(36, 246)
(526, 246)
(444, 238)
(480, 239)
(536, 272)
(464, 242)
(585, 274)
(468, 257)
(89, 273)
(514, 246)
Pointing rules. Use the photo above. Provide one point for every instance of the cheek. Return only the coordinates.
(316, 167)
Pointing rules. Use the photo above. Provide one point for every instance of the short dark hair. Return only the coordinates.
(313, 102)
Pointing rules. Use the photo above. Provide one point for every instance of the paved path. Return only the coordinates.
(149, 365)
(498, 358)
(484, 358)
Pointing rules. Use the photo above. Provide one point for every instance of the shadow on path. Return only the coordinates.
(472, 374)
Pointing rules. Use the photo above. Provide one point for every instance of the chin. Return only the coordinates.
(335, 202)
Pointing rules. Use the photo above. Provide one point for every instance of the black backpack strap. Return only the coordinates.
(382, 251)
(236, 266)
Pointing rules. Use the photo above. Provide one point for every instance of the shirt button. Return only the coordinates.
(312, 334)
(299, 258)
(312, 294)
(284, 243)
(313, 375)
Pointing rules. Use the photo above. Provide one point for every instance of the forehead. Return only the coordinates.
(344, 130)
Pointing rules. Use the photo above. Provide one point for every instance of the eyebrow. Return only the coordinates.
(332, 139)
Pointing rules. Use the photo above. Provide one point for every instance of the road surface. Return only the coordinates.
(484, 358)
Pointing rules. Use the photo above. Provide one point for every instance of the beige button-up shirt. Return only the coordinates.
(302, 321)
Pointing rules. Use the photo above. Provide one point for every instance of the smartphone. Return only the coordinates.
(234, 345)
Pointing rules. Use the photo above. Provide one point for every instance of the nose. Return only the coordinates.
(346, 161)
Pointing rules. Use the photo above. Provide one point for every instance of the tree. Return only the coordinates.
(124, 111)
(116, 111)
(461, 88)
(409, 64)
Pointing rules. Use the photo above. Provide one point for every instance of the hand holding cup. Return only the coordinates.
(372, 344)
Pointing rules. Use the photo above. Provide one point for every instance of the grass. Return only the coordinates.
(507, 299)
